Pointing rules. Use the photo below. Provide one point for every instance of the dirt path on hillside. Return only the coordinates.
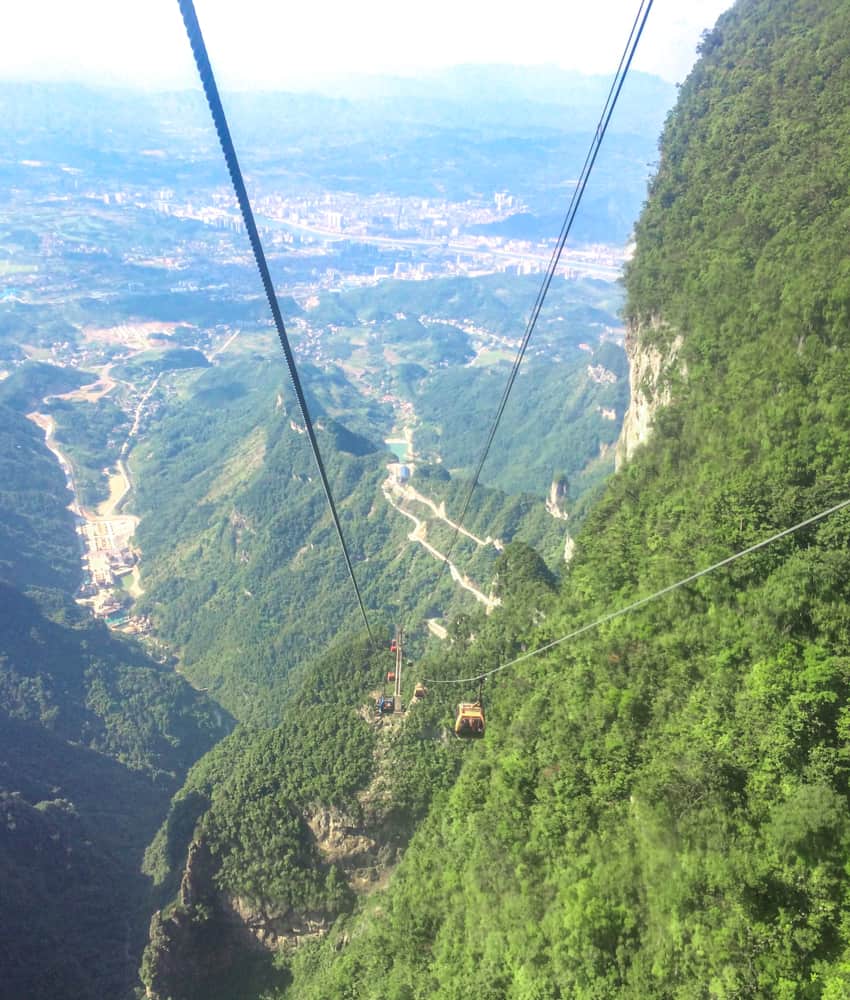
(409, 493)
(419, 535)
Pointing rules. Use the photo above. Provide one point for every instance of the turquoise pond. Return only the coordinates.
(398, 448)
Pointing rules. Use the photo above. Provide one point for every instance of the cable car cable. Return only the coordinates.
(645, 600)
(199, 50)
(607, 112)
(605, 118)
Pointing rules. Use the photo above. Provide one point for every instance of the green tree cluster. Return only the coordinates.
(660, 807)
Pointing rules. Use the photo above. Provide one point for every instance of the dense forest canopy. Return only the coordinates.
(95, 736)
(660, 808)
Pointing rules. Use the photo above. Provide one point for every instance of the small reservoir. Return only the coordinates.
(399, 447)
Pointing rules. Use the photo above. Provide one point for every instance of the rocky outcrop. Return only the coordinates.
(198, 938)
(195, 940)
(651, 371)
(557, 498)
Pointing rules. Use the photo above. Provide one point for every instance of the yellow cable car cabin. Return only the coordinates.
(469, 723)
(420, 691)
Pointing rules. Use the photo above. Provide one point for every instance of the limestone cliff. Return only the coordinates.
(208, 935)
(207, 932)
(197, 939)
(557, 499)
(652, 368)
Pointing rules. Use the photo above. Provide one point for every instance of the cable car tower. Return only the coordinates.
(397, 645)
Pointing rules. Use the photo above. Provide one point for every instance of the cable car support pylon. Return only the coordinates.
(399, 660)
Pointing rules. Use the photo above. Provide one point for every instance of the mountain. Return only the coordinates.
(659, 807)
(247, 582)
(95, 737)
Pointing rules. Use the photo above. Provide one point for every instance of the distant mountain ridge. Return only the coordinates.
(457, 135)
(482, 90)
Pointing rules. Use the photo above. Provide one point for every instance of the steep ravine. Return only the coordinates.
(660, 809)
(197, 940)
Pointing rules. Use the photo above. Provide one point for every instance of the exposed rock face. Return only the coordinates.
(198, 939)
(275, 928)
(650, 371)
(556, 500)
(196, 886)
(341, 841)
(194, 942)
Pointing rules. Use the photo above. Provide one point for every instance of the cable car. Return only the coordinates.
(385, 705)
(469, 722)
(420, 691)
(393, 646)
(390, 676)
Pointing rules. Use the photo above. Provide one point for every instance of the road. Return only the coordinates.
(119, 487)
(137, 417)
(418, 535)
(48, 425)
(225, 345)
(409, 493)
(92, 392)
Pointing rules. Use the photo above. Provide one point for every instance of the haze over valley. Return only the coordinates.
(407, 238)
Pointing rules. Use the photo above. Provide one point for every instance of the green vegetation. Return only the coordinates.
(556, 412)
(36, 527)
(249, 805)
(26, 388)
(92, 436)
(247, 582)
(660, 807)
(73, 825)
(557, 408)
(241, 568)
(148, 364)
(94, 738)
(245, 804)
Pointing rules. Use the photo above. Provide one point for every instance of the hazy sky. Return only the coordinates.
(268, 43)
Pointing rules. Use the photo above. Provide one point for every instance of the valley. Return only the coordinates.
(391, 355)
(182, 542)
(201, 781)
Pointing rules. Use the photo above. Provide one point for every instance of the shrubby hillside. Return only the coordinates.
(94, 738)
(660, 807)
(242, 568)
(278, 831)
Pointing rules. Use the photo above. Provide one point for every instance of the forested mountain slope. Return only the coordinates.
(94, 738)
(242, 568)
(279, 831)
(660, 807)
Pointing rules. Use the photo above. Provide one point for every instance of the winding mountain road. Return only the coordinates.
(418, 535)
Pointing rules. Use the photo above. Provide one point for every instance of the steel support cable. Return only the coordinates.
(645, 600)
(199, 50)
(616, 86)
(607, 111)
(638, 26)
